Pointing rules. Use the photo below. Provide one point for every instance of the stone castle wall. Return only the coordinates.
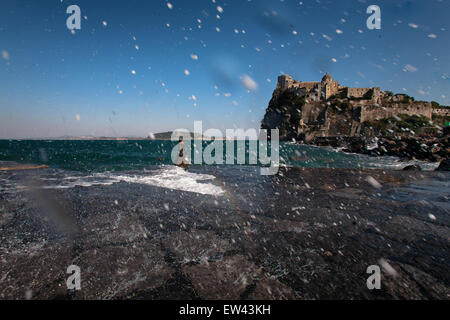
(400, 98)
(309, 86)
(368, 99)
(353, 106)
(285, 81)
(442, 112)
(331, 89)
(372, 113)
(357, 92)
(328, 87)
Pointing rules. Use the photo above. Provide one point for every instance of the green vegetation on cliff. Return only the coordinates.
(438, 106)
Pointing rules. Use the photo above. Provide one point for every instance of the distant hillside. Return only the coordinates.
(156, 136)
(168, 136)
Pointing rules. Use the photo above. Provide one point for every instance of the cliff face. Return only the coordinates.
(359, 120)
(305, 111)
(284, 113)
(303, 120)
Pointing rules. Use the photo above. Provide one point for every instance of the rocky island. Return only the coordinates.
(359, 120)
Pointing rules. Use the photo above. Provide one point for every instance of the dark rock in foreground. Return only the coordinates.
(303, 234)
(444, 166)
(412, 168)
(420, 148)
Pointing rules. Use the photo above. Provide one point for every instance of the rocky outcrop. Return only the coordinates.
(420, 148)
(359, 120)
(412, 168)
(444, 166)
(284, 113)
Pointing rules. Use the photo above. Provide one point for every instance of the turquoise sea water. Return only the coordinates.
(100, 156)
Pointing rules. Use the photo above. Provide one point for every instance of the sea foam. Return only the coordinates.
(169, 177)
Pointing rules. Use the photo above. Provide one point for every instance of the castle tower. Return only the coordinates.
(327, 78)
(285, 81)
(329, 86)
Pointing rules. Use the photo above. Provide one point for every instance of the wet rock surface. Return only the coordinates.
(303, 234)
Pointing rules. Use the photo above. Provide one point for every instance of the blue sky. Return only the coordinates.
(55, 83)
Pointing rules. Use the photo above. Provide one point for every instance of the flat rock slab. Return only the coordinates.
(196, 246)
(226, 279)
(302, 234)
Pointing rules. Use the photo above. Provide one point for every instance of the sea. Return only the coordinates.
(103, 162)
(140, 227)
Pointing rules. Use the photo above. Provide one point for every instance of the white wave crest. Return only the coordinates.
(174, 178)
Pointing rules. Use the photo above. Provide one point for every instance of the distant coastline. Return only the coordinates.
(164, 136)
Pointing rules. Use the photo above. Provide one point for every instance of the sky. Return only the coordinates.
(138, 67)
